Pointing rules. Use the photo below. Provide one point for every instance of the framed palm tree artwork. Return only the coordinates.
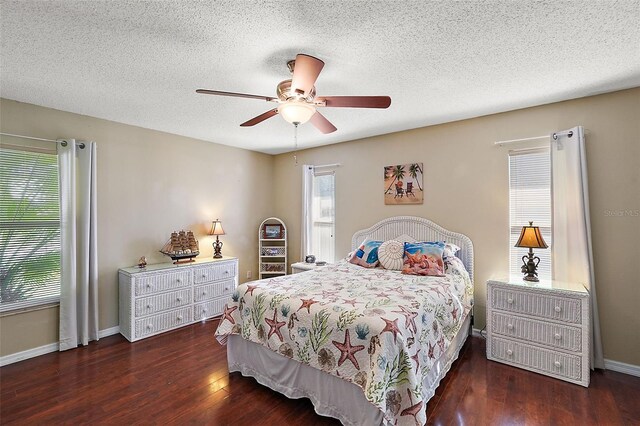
(403, 184)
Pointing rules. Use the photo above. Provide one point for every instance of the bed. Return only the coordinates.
(366, 346)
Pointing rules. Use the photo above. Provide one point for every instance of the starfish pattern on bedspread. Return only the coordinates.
(341, 320)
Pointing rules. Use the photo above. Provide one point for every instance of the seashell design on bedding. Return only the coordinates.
(390, 255)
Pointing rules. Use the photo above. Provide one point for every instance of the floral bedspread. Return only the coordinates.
(378, 329)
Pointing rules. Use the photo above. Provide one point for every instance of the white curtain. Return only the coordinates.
(308, 172)
(572, 257)
(79, 277)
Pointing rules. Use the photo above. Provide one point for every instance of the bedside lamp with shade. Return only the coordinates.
(530, 238)
(216, 229)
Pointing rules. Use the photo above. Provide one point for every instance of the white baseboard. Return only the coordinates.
(108, 332)
(29, 353)
(621, 367)
(51, 347)
(477, 333)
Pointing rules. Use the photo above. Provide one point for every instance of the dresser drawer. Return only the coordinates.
(208, 309)
(549, 362)
(162, 322)
(545, 333)
(215, 290)
(208, 273)
(561, 308)
(161, 282)
(162, 302)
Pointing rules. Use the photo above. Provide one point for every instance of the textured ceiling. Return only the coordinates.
(139, 62)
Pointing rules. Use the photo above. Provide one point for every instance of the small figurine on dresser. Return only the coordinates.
(142, 262)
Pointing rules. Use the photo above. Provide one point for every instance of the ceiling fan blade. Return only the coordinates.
(322, 124)
(355, 101)
(260, 118)
(305, 73)
(235, 95)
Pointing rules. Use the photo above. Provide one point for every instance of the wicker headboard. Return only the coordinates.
(411, 228)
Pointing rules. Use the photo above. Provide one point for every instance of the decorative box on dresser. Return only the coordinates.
(542, 327)
(165, 296)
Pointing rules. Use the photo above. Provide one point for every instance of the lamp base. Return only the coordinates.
(530, 267)
(217, 248)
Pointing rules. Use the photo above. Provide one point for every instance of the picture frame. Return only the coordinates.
(273, 231)
(403, 184)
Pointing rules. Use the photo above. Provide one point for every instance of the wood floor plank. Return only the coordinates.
(181, 378)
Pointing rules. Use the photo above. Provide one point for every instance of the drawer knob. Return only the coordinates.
(148, 306)
(179, 299)
(149, 326)
(226, 288)
(510, 301)
(226, 272)
(204, 275)
(204, 293)
(178, 280)
(510, 326)
(509, 352)
(204, 310)
(148, 285)
(557, 364)
(557, 336)
(179, 318)
(557, 309)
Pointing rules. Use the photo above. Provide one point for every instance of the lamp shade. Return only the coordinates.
(530, 237)
(216, 228)
(296, 112)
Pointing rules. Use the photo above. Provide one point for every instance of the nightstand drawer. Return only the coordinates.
(215, 272)
(161, 282)
(215, 290)
(549, 362)
(560, 308)
(162, 302)
(540, 332)
(167, 321)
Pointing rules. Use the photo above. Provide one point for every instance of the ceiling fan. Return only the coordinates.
(297, 97)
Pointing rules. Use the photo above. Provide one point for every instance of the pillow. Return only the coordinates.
(450, 250)
(423, 259)
(367, 254)
(390, 254)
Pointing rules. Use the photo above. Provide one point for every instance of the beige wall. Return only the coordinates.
(466, 190)
(149, 184)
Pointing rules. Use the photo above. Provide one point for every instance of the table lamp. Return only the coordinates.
(530, 238)
(216, 229)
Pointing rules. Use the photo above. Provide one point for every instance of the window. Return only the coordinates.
(530, 200)
(29, 228)
(323, 216)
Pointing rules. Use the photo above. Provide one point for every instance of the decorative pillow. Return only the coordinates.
(423, 259)
(367, 254)
(390, 254)
(450, 250)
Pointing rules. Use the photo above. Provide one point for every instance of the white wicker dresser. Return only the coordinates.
(541, 327)
(165, 296)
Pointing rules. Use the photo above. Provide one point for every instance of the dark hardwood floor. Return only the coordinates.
(181, 378)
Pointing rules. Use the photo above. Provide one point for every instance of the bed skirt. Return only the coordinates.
(330, 395)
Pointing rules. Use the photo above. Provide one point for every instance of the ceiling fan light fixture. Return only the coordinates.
(296, 112)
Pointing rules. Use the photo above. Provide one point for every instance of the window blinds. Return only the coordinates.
(323, 216)
(29, 229)
(530, 200)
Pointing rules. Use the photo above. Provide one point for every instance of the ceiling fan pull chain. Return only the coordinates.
(295, 143)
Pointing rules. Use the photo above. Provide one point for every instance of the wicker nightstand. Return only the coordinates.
(541, 327)
(303, 266)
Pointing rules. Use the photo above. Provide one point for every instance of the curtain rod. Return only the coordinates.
(28, 137)
(500, 143)
(62, 141)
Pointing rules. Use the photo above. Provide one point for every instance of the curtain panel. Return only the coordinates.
(572, 256)
(308, 171)
(79, 258)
